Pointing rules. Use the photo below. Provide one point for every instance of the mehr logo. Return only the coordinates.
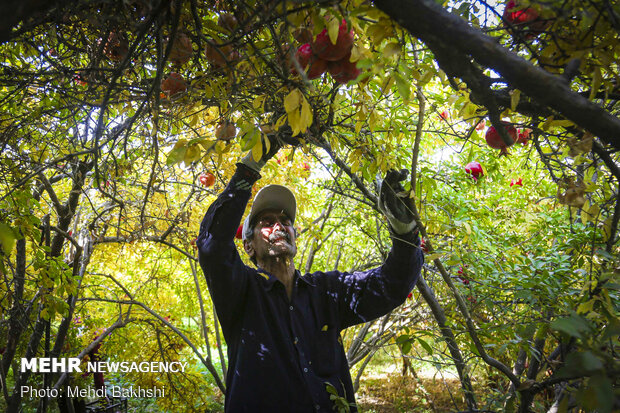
(51, 365)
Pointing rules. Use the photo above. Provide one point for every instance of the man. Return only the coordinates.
(282, 329)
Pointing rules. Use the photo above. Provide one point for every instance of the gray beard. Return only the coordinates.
(279, 234)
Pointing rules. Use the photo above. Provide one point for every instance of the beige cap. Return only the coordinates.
(276, 197)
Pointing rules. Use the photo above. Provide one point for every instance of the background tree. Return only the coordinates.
(122, 120)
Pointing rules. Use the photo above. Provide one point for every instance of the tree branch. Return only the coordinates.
(440, 29)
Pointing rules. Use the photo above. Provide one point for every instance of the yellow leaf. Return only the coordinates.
(586, 307)
(392, 49)
(191, 154)
(333, 26)
(267, 144)
(193, 120)
(280, 122)
(7, 238)
(358, 126)
(356, 54)
(546, 123)
(180, 143)
(258, 102)
(294, 121)
(427, 76)
(515, 95)
(432, 257)
(467, 227)
(561, 122)
(306, 115)
(257, 150)
(372, 120)
(607, 228)
(292, 101)
(208, 145)
(593, 211)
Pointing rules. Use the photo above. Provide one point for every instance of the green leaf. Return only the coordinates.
(402, 86)
(574, 325)
(599, 394)
(333, 27)
(177, 154)
(250, 139)
(426, 346)
(581, 363)
(515, 95)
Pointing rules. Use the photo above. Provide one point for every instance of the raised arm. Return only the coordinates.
(366, 295)
(217, 254)
(226, 274)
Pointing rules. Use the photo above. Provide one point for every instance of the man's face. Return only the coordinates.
(274, 236)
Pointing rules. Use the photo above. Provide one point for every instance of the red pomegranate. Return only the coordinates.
(519, 17)
(225, 131)
(495, 141)
(207, 179)
(517, 182)
(423, 246)
(325, 49)
(343, 70)
(227, 21)
(173, 84)
(220, 56)
(116, 47)
(523, 136)
(312, 64)
(524, 18)
(474, 169)
(181, 50)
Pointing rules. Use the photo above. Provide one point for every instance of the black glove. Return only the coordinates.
(395, 203)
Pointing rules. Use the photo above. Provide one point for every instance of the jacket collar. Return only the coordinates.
(270, 279)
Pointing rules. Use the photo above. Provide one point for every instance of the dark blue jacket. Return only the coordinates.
(283, 354)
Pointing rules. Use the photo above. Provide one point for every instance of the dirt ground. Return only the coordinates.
(395, 393)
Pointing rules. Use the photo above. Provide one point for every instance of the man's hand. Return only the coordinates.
(395, 203)
(271, 146)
